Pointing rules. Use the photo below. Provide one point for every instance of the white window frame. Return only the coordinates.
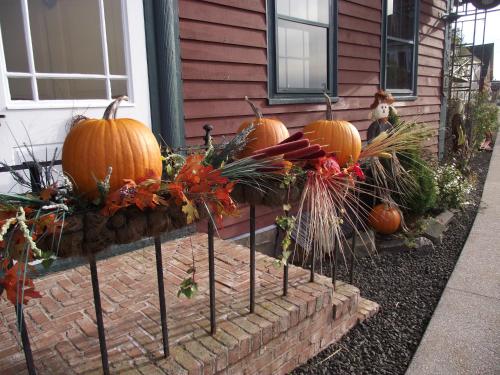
(36, 103)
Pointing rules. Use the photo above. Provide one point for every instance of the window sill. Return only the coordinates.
(405, 98)
(56, 104)
(300, 100)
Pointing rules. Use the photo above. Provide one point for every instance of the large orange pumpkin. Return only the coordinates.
(267, 132)
(93, 145)
(385, 219)
(335, 136)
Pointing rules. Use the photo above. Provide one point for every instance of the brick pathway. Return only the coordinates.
(62, 326)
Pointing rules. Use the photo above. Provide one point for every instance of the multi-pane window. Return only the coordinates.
(401, 46)
(301, 49)
(63, 49)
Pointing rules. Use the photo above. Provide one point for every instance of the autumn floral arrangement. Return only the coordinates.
(328, 172)
(117, 185)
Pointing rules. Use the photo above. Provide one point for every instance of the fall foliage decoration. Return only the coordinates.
(20, 229)
(385, 219)
(93, 145)
(267, 132)
(113, 191)
(18, 288)
(141, 194)
(198, 184)
(338, 137)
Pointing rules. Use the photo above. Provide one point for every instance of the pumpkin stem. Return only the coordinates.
(110, 112)
(256, 111)
(329, 115)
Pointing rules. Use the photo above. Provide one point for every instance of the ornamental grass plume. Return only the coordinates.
(404, 137)
(329, 199)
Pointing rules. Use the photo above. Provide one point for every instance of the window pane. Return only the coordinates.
(118, 87)
(52, 89)
(311, 10)
(66, 36)
(20, 89)
(114, 34)
(302, 56)
(399, 65)
(400, 19)
(14, 44)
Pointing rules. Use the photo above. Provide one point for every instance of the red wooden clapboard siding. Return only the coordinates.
(224, 58)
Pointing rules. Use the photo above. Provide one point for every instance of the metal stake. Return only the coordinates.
(211, 276)
(313, 264)
(24, 336)
(161, 294)
(211, 255)
(252, 258)
(334, 273)
(285, 267)
(285, 279)
(98, 314)
(21, 323)
(353, 243)
(351, 264)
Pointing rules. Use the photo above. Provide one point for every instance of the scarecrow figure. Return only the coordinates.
(385, 175)
(380, 114)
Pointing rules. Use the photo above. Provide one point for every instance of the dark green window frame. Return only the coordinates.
(292, 96)
(401, 93)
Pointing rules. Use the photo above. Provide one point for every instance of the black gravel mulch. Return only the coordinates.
(407, 285)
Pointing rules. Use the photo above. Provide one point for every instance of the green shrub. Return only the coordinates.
(453, 188)
(422, 199)
(484, 117)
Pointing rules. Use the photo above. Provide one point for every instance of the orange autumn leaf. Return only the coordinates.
(197, 183)
(143, 195)
(47, 223)
(19, 289)
(47, 193)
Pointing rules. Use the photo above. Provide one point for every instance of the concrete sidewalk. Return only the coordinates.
(463, 336)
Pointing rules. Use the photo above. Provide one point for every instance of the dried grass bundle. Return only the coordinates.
(404, 137)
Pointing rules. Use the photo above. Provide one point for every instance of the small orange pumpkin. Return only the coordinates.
(93, 145)
(385, 219)
(335, 136)
(267, 132)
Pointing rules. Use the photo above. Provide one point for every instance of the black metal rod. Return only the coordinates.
(351, 264)
(211, 276)
(19, 167)
(276, 240)
(334, 273)
(161, 295)
(313, 264)
(481, 75)
(468, 115)
(98, 314)
(21, 323)
(285, 279)
(252, 258)
(353, 241)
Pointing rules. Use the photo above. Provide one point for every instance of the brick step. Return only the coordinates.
(366, 309)
(282, 333)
